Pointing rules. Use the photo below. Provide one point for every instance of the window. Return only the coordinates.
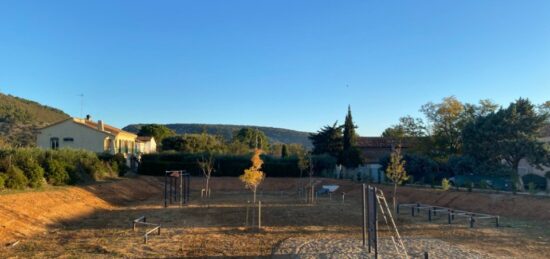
(54, 143)
(68, 139)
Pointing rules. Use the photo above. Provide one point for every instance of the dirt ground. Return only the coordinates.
(95, 221)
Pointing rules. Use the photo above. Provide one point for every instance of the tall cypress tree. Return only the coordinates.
(351, 155)
(349, 132)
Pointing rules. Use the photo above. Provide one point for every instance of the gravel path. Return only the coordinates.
(352, 248)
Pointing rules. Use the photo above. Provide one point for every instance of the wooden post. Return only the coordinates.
(430, 214)
(181, 189)
(165, 186)
(259, 215)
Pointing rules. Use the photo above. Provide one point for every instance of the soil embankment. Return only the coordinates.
(26, 213)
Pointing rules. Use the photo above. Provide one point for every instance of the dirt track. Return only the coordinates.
(93, 221)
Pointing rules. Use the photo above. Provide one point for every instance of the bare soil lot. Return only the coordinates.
(95, 221)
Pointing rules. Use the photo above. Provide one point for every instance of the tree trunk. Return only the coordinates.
(394, 197)
(207, 191)
(518, 181)
(254, 198)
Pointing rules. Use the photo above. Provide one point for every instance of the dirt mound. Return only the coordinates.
(22, 214)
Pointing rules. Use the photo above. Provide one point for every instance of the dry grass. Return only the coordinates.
(217, 227)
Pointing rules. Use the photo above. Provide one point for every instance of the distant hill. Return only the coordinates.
(20, 118)
(275, 135)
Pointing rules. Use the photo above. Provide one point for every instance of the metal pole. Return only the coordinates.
(364, 218)
(181, 188)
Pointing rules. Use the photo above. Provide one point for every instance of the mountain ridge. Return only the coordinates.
(274, 134)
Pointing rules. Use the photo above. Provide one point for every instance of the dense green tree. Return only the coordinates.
(351, 156)
(195, 143)
(328, 140)
(508, 136)
(159, 132)
(254, 138)
(349, 135)
(407, 127)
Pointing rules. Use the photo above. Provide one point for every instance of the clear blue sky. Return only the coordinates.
(272, 63)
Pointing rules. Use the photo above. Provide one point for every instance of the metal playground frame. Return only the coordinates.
(174, 192)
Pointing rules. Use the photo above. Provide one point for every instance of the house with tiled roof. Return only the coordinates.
(86, 134)
(375, 148)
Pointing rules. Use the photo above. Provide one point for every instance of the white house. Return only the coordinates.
(86, 134)
(146, 145)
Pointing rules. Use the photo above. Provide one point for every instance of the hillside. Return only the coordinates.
(275, 135)
(19, 119)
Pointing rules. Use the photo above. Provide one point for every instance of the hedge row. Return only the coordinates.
(229, 165)
(33, 167)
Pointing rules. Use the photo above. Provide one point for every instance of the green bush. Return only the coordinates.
(538, 181)
(55, 173)
(16, 179)
(26, 161)
(2, 180)
(230, 165)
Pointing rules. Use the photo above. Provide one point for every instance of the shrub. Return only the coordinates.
(30, 167)
(16, 179)
(2, 180)
(55, 173)
(230, 165)
(538, 181)
(445, 184)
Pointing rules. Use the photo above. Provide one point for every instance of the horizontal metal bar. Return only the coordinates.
(152, 230)
(139, 219)
(148, 224)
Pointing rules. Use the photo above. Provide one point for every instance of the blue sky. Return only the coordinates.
(272, 63)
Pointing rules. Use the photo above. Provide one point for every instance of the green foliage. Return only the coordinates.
(328, 140)
(26, 161)
(508, 135)
(351, 156)
(284, 152)
(407, 127)
(16, 179)
(274, 135)
(445, 184)
(538, 181)
(55, 173)
(395, 170)
(3, 178)
(20, 117)
(194, 143)
(229, 165)
(159, 132)
(254, 138)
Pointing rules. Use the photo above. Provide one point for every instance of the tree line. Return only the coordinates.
(482, 138)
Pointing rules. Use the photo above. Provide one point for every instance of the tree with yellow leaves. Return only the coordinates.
(253, 176)
(396, 171)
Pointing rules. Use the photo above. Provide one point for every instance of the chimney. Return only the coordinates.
(88, 117)
(100, 125)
